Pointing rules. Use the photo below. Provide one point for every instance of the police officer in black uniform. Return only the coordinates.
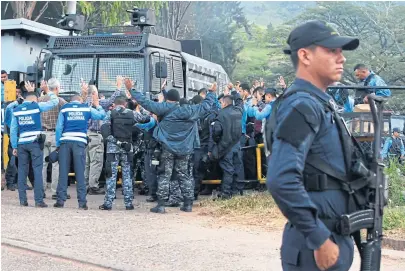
(305, 132)
(225, 132)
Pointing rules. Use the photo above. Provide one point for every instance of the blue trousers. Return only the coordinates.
(231, 164)
(27, 152)
(77, 152)
(150, 174)
(296, 256)
(198, 173)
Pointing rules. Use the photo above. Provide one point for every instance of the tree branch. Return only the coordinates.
(42, 11)
(30, 9)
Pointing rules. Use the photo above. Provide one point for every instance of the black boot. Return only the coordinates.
(58, 204)
(160, 208)
(151, 199)
(187, 206)
(170, 203)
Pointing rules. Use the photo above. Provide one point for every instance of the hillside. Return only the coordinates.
(276, 13)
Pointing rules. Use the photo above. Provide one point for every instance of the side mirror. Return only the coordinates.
(161, 69)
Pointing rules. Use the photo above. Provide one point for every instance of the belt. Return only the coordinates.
(97, 132)
(333, 224)
(49, 130)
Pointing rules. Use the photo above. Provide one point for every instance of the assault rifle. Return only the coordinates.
(372, 217)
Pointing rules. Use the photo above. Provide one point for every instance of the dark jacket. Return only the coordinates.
(177, 130)
(227, 128)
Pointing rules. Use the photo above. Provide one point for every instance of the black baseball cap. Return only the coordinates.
(318, 33)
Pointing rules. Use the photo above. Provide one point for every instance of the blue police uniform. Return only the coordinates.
(71, 138)
(25, 130)
(305, 211)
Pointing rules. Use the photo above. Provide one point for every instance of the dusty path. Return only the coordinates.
(69, 239)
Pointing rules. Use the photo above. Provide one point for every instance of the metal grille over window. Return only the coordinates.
(178, 72)
(70, 70)
(131, 66)
(156, 81)
(106, 41)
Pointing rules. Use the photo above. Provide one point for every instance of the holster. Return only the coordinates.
(41, 138)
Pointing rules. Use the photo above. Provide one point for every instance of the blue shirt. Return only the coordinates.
(43, 107)
(286, 165)
(147, 126)
(61, 125)
(377, 81)
(2, 92)
(387, 146)
(246, 105)
(9, 113)
(260, 115)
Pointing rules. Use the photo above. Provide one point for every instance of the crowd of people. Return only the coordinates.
(307, 147)
(172, 142)
(204, 137)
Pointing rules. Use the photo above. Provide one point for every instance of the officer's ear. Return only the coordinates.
(306, 55)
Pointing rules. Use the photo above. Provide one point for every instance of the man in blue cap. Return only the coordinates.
(304, 131)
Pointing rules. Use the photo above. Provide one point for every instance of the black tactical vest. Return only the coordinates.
(318, 175)
(121, 124)
(395, 146)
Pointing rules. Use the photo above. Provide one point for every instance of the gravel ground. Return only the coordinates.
(69, 239)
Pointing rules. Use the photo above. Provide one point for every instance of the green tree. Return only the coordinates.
(111, 13)
(216, 25)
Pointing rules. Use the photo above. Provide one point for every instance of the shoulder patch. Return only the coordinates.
(300, 122)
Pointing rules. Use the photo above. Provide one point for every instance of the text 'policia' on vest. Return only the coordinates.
(77, 116)
(29, 121)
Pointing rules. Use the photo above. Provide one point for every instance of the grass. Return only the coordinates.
(255, 209)
(259, 209)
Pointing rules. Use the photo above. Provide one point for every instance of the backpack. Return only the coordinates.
(357, 162)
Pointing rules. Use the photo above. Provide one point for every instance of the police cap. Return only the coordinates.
(318, 33)
(395, 130)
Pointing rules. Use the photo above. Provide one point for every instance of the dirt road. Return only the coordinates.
(69, 239)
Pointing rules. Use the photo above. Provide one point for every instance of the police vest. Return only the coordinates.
(29, 121)
(319, 175)
(75, 120)
(122, 121)
(396, 144)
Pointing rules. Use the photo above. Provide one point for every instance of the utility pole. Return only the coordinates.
(71, 7)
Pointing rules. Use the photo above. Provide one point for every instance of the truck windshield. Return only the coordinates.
(70, 70)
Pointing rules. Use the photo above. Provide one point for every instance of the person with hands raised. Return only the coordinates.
(72, 140)
(177, 134)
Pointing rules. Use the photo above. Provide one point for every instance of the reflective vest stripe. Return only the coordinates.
(26, 139)
(74, 134)
(75, 109)
(73, 138)
(25, 134)
(26, 112)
